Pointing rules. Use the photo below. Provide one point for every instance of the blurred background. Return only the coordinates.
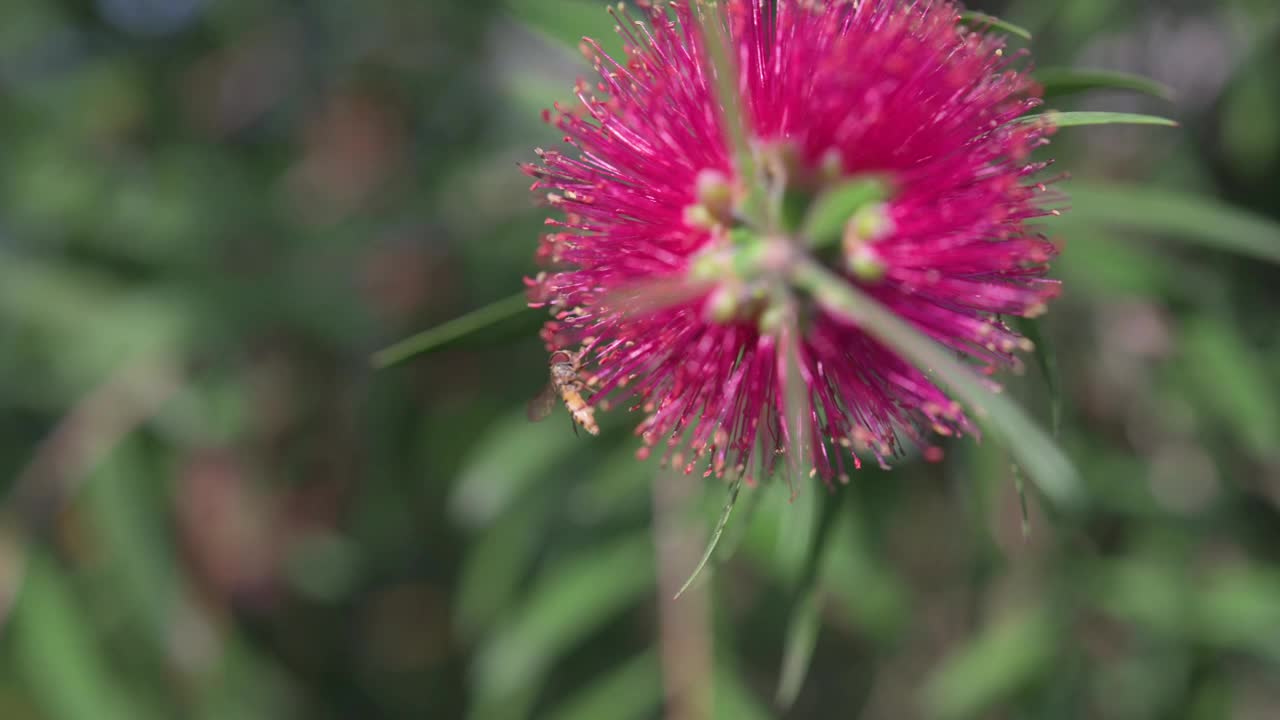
(213, 211)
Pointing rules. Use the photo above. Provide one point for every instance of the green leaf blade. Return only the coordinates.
(58, 653)
(806, 619)
(570, 601)
(1086, 118)
(1001, 660)
(1062, 82)
(1198, 220)
(564, 21)
(1047, 361)
(985, 21)
(632, 691)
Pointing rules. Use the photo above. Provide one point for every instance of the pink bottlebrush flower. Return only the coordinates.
(656, 206)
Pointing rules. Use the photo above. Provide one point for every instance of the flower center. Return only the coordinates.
(782, 213)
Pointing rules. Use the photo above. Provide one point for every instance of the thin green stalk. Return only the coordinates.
(450, 331)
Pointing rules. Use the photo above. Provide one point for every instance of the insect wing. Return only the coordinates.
(543, 403)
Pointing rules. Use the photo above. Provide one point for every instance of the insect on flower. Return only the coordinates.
(568, 384)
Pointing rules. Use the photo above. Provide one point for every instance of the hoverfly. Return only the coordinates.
(567, 383)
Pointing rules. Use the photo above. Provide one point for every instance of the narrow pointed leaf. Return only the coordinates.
(802, 639)
(1022, 501)
(734, 487)
(983, 20)
(56, 651)
(1194, 219)
(806, 618)
(495, 564)
(511, 459)
(1061, 82)
(570, 601)
(566, 21)
(458, 327)
(734, 699)
(999, 662)
(1232, 381)
(1030, 446)
(633, 690)
(1078, 119)
(1047, 360)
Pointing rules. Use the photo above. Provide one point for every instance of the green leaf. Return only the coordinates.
(855, 576)
(570, 602)
(1239, 608)
(516, 507)
(734, 487)
(59, 654)
(1021, 488)
(512, 457)
(55, 305)
(1247, 140)
(1078, 119)
(632, 691)
(1061, 82)
(497, 562)
(733, 697)
(1029, 445)
(984, 21)
(1102, 263)
(566, 21)
(1182, 216)
(805, 618)
(1232, 383)
(129, 518)
(786, 531)
(1047, 360)
(996, 664)
(826, 219)
(802, 638)
(858, 578)
(440, 335)
(1150, 590)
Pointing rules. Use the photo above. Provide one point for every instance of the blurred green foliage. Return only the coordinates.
(212, 212)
